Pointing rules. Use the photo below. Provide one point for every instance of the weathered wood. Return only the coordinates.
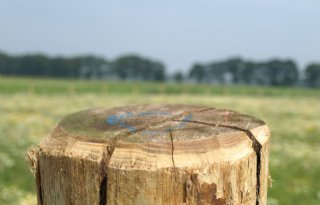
(153, 155)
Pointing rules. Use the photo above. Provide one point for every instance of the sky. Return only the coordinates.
(178, 33)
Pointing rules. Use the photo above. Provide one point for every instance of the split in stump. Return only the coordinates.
(153, 155)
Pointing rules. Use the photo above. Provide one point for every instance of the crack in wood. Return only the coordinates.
(103, 191)
(172, 157)
(255, 145)
(103, 173)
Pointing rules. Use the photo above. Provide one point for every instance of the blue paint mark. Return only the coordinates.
(114, 120)
(117, 120)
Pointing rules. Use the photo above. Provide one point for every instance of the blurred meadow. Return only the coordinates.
(257, 57)
(29, 108)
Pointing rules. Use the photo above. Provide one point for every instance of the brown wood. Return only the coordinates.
(153, 155)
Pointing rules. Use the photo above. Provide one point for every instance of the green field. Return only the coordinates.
(29, 108)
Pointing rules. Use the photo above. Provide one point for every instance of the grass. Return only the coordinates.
(29, 108)
(10, 85)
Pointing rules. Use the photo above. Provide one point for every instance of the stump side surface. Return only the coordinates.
(154, 154)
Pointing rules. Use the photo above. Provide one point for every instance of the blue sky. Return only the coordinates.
(178, 32)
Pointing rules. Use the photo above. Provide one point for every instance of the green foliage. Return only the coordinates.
(9, 85)
(125, 67)
(197, 73)
(40, 65)
(178, 77)
(281, 72)
(313, 75)
(238, 71)
(138, 68)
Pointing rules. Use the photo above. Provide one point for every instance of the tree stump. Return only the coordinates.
(153, 155)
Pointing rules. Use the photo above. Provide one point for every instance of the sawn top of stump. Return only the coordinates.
(150, 133)
(154, 123)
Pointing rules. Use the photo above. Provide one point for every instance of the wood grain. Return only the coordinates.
(153, 155)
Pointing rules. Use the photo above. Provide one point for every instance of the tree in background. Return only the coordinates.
(132, 67)
(312, 75)
(178, 77)
(245, 72)
(40, 65)
(197, 73)
(91, 67)
(238, 71)
(219, 73)
(137, 68)
(235, 68)
(5, 64)
(281, 73)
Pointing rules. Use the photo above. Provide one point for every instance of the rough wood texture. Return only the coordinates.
(153, 155)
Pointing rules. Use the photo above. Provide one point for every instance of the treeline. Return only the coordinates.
(127, 67)
(132, 67)
(273, 73)
(238, 71)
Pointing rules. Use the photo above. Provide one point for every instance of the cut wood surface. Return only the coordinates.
(153, 155)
